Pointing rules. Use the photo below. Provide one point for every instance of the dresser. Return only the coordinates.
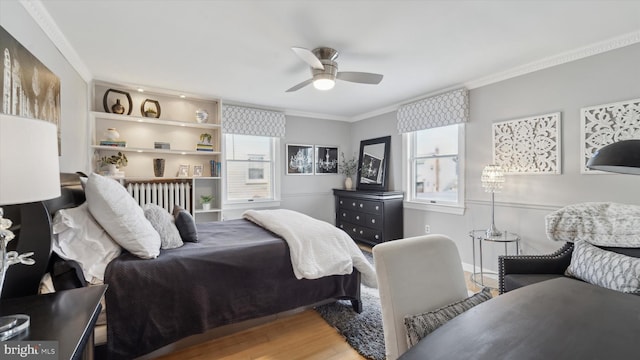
(370, 217)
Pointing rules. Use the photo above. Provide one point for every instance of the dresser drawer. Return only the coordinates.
(371, 207)
(361, 232)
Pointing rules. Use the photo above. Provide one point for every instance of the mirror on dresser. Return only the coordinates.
(373, 163)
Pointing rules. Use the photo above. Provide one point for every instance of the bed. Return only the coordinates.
(237, 271)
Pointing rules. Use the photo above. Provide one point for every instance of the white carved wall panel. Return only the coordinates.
(529, 145)
(605, 124)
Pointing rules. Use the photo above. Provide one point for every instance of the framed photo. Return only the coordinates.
(326, 160)
(197, 170)
(371, 172)
(299, 159)
(183, 170)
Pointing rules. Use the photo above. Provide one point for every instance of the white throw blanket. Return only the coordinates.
(317, 248)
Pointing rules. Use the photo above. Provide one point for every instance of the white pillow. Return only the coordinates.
(164, 224)
(120, 215)
(80, 238)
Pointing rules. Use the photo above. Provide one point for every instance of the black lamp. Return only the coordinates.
(620, 157)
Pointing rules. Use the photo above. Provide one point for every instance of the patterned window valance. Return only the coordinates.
(440, 110)
(248, 121)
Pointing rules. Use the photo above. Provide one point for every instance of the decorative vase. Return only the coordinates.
(348, 183)
(202, 116)
(158, 167)
(206, 206)
(117, 108)
(112, 134)
(112, 169)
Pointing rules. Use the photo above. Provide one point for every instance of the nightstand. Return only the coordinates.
(480, 236)
(67, 317)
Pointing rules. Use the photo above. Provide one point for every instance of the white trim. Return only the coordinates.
(527, 206)
(559, 59)
(39, 13)
(442, 208)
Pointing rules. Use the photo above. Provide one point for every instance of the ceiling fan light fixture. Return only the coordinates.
(322, 83)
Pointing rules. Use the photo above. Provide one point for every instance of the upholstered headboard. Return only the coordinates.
(32, 227)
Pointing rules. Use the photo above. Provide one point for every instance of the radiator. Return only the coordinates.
(162, 193)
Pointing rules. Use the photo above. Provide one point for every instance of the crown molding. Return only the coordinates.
(317, 115)
(39, 13)
(562, 58)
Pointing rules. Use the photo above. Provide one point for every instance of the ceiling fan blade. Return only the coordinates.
(308, 57)
(359, 77)
(300, 86)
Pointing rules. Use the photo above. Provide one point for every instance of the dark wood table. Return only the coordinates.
(66, 316)
(555, 319)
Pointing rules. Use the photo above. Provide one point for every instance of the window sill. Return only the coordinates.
(443, 208)
(251, 204)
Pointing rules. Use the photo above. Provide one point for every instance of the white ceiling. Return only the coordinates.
(240, 50)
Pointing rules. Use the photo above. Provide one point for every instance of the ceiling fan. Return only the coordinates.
(324, 70)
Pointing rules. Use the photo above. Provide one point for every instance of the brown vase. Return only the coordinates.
(117, 108)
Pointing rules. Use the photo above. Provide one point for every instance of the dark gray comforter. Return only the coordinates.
(237, 271)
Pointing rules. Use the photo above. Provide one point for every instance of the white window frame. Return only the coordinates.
(408, 168)
(275, 175)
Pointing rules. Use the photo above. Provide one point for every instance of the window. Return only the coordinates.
(434, 169)
(250, 170)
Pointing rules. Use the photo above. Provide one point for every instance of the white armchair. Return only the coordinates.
(415, 275)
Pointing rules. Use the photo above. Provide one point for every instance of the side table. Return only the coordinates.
(67, 317)
(481, 236)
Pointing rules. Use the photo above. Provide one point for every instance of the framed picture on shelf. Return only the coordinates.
(299, 159)
(183, 170)
(197, 170)
(326, 160)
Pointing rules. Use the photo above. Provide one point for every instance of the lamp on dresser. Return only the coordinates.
(29, 172)
(492, 180)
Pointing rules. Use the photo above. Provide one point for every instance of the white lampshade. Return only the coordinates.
(29, 169)
(492, 178)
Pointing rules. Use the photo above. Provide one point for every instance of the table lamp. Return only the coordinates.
(492, 180)
(620, 157)
(29, 172)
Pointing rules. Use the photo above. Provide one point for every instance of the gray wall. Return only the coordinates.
(526, 199)
(73, 93)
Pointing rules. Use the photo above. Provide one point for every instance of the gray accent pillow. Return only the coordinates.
(186, 224)
(421, 325)
(163, 222)
(604, 268)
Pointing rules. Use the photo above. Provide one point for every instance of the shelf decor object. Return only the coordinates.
(528, 146)
(602, 125)
(150, 111)
(106, 100)
(492, 181)
(32, 176)
(621, 157)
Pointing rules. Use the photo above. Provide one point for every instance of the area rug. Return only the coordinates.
(362, 331)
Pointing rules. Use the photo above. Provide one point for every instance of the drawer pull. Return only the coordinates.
(361, 205)
(340, 202)
(341, 226)
(354, 229)
(377, 237)
(377, 207)
(373, 221)
(344, 214)
(361, 232)
(358, 217)
(354, 204)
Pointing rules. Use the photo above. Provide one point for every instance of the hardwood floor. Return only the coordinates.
(302, 336)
